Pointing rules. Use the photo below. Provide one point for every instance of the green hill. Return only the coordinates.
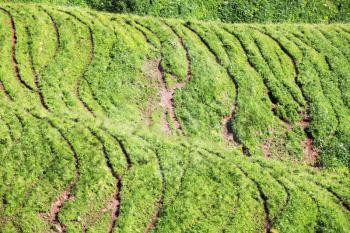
(119, 123)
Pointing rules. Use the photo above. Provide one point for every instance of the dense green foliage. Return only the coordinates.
(116, 123)
(312, 11)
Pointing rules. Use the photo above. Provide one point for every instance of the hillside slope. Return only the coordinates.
(115, 123)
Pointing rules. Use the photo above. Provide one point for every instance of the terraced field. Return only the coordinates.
(119, 123)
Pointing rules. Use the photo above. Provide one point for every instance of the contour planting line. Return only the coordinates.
(118, 180)
(273, 72)
(315, 67)
(154, 219)
(86, 68)
(329, 40)
(3, 89)
(327, 60)
(273, 99)
(185, 48)
(328, 189)
(13, 50)
(286, 190)
(34, 72)
(57, 32)
(263, 198)
(308, 144)
(228, 131)
(67, 193)
(252, 65)
(136, 27)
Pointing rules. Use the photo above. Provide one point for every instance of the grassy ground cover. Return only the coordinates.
(117, 123)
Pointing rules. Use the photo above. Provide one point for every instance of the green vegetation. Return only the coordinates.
(312, 11)
(119, 123)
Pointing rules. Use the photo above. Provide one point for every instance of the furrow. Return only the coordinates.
(186, 49)
(3, 89)
(263, 198)
(10, 133)
(118, 183)
(66, 195)
(187, 165)
(159, 204)
(272, 98)
(13, 50)
(228, 131)
(57, 32)
(340, 200)
(286, 203)
(327, 61)
(273, 72)
(330, 41)
(227, 223)
(314, 200)
(202, 39)
(305, 120)
(306, 44)
(115, 204)
(124, 151)
(308, 144)
(344, 30)
(86, 68)
(333, 66)
(105, 153)
(20, 120)
(34, 72)
(128, 22)
(188, 68)
(18, 227)
(286, 190)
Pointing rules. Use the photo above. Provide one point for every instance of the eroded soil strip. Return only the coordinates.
(166, 97)
(13, 50)
(166, 94)
(188, 70)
